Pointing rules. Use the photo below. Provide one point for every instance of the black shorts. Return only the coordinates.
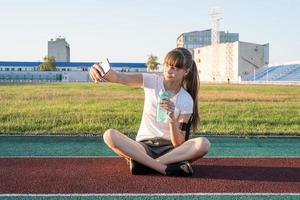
(157, 147)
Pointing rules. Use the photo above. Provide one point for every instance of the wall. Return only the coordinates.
(232, 61)
(252, 57)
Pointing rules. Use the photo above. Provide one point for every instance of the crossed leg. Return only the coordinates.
(131, 149)
(190, 150)
(128, 148)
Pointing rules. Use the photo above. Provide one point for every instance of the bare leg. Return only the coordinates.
(190, 150)
(130, 149)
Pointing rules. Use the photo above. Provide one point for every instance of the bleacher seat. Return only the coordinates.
(289, 72)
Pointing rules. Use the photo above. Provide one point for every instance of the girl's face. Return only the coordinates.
(174, 74)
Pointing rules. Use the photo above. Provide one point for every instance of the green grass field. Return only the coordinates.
(87, 108)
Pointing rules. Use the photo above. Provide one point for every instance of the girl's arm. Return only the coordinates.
(135, 80)
(176, 134)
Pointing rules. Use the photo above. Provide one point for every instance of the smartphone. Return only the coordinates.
(105, 65)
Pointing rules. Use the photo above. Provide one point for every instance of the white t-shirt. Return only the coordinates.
(150, 128)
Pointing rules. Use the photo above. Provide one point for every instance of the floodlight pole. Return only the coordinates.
(215, 15)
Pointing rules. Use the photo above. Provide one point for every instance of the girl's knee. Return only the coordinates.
(202, 145)
(110, 136)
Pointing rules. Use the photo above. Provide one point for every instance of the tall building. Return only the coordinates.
(233, 61)
(60, 49)
(196, 39)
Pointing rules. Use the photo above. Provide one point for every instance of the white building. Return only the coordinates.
(60, 49)
(65, 71)
(230, 62)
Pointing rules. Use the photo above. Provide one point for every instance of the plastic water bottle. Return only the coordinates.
(162, 114)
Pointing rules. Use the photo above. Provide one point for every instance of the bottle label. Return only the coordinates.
(162, 114)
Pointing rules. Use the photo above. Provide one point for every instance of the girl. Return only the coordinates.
(161, 146)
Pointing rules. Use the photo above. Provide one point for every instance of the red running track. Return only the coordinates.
(111, 175)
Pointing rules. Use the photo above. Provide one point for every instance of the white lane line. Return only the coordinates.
(150, 194)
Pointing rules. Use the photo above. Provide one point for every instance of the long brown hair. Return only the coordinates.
(182, 58)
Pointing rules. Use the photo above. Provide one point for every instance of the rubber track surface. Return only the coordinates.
(111, 175)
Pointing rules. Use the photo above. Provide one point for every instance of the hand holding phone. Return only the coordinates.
(105, 66)
(99, 70)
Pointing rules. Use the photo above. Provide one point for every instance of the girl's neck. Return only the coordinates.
(171, 87)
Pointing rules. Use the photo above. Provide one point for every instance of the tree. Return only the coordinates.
(48, 64)
(152, 63)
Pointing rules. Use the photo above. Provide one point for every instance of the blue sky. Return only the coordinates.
(129, 30)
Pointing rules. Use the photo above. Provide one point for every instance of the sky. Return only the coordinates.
(130, 30)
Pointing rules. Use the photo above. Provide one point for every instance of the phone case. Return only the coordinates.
(105, 65)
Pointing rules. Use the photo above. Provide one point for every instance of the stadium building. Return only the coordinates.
(65, 71)
(230, 62)
(196, 39)
(222, 58)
